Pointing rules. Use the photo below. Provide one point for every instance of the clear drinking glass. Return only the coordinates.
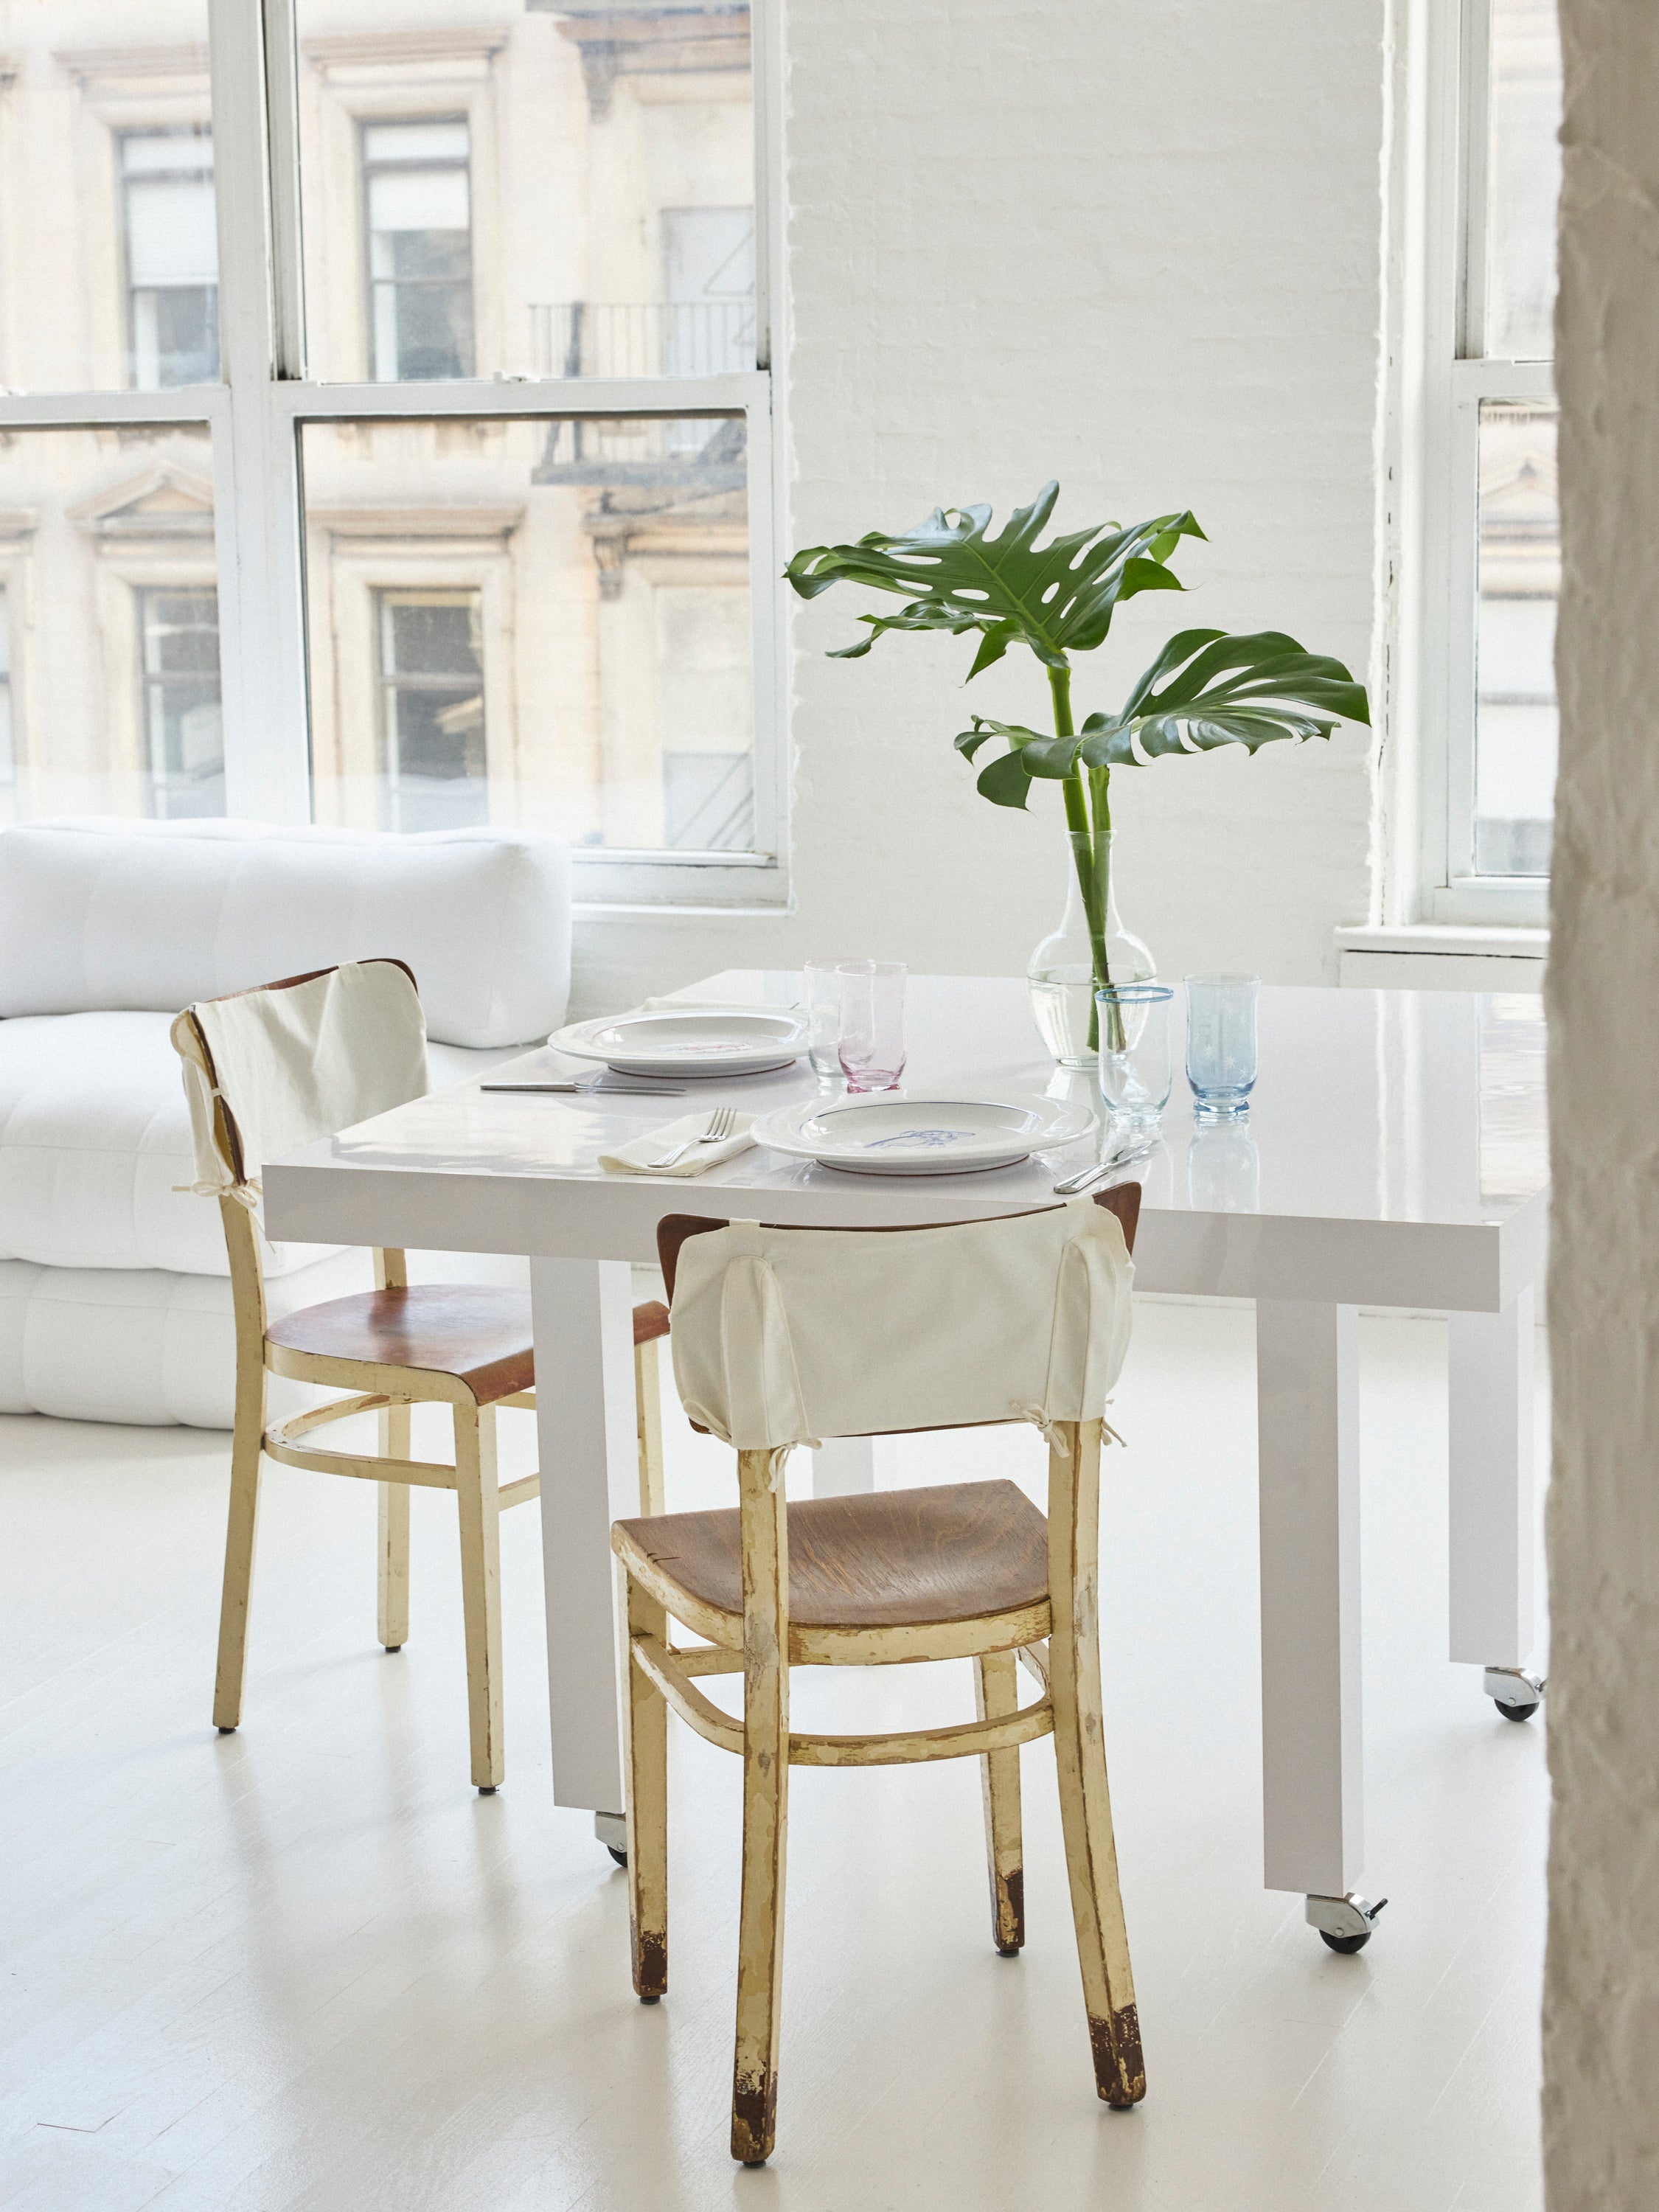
(1135, 1066)
(1221, 1044)
(870, 1044)
(822, 979)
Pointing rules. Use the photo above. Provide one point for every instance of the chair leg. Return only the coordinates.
(392, 1595)
(247, 1444)
(996, 1694)
(648, 1397)
(479, 1506)
(1085, 1805)
(644, 1718)
(765, 1812)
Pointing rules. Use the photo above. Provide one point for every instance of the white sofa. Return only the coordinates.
(114, 1286)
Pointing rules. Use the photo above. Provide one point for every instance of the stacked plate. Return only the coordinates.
(688, 1040)
(908, 1133)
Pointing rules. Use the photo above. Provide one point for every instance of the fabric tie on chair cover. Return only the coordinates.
(295, 1062)
(785, 1336)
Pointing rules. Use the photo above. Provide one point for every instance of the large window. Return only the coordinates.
(454, 318)
(1490, 545)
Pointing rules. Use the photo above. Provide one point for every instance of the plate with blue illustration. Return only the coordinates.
(910, 1132)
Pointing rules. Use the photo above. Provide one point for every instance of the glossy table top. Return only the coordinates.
(1395, 1151)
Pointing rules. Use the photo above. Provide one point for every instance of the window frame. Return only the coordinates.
(1438, 469)
(256, 412)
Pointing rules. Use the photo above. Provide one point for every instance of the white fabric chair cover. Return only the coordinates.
(297, 1061)
(786, 1336)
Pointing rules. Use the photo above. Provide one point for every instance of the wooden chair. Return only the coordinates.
(969, 1570)
(466, 1346)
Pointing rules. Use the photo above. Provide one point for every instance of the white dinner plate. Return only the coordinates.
(920, 1132)
(688, 1040)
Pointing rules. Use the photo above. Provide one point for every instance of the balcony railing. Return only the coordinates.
(644, 337)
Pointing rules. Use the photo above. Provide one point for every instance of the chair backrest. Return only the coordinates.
(786, 1336)
(269, 1070)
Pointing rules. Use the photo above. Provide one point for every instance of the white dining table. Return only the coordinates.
(1394, 1155)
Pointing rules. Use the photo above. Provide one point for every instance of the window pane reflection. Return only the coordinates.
(1523, 180)
(533, 621)
(1520, 581)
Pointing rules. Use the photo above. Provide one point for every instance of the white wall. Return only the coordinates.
(1601, 1989)
(1138, 249)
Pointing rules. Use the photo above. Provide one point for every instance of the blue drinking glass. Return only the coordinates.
(1221, 1044)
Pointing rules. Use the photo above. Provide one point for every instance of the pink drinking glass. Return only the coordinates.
(871, 1040)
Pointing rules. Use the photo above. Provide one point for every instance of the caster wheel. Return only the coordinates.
(1345, 1923)
(1347, 1944)
(1517, 1694)
(621, 1857)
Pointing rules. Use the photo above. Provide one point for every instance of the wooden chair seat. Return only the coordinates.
(479, 1333)
(891, 1559)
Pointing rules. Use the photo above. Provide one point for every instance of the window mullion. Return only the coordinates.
(281, 101)
(267, 768)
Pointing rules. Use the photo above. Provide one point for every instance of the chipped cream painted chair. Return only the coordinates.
(266, 1071)
(786, 1336)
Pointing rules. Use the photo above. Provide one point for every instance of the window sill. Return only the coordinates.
(1443, 956)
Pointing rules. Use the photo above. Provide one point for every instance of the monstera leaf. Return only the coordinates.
(1056, 598)
(1217, 690)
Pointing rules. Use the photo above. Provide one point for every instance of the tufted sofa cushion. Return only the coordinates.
(98, 916)
(95, 1133)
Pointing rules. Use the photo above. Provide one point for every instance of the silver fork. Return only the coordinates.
(721, 1123)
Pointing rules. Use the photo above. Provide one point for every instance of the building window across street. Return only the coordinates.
(432, 709)
(172, 257)
(183, 724)
(417, 207)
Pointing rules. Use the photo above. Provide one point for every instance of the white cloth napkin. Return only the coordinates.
(635, 1157)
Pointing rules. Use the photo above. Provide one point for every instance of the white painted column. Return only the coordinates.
(1308, 1421)
(582, 1311)
(1493, 1621)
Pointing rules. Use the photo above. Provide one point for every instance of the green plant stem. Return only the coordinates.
(1092, 867)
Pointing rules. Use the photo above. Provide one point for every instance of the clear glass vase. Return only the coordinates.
(1090, 949)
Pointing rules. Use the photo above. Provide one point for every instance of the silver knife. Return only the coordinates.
(1118, 1159)
(598, 1089)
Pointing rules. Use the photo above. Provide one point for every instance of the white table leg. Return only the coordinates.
(1307, 1418)
(1493, 1623)
(582, 1314)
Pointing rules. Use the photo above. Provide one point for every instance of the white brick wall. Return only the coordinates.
(1138, 249)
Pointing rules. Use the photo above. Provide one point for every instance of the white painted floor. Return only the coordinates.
(305, 1967)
